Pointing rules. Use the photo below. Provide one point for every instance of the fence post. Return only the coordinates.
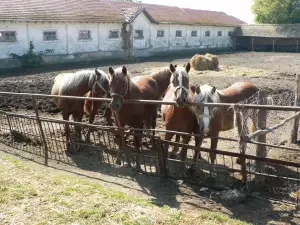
(162, 157)
(242, 144)
(41, 130)
(10, 128)
(294, 132)
(261, 122)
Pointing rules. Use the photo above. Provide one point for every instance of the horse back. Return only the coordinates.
(147, 86)
(238, 92)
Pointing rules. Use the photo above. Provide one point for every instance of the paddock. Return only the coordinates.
(31, 127)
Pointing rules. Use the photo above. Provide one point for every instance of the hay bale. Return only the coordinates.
(205, 62)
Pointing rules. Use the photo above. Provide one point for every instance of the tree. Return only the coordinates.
(276, 11)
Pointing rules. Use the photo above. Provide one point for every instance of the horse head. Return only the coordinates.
(99, 84)
(204, 94)
(119, 85)
(180, 82)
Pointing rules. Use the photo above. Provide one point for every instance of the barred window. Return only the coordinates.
(160, 33)
(50, 35)
(8, 36)
(178, 33)
(194, 33)
(207, 33)
(219, 33)
(139, 34)
(114, 34)
(84, 35)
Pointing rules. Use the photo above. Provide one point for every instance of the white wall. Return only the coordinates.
(68, 42)
(141, 23)
(36, 31)
(19, 47)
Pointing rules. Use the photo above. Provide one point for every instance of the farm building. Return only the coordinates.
(95, 29)
(268, 37)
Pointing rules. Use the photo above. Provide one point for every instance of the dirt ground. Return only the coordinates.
(273, 72)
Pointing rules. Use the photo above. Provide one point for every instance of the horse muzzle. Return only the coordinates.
(116, 104)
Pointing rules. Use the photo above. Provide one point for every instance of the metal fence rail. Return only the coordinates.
(38, 134)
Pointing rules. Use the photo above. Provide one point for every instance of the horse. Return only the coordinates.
(78, 84)
(135, 115)
(212, 120)
(162, 79)
(180, 118)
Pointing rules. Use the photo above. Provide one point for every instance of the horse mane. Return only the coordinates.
(206, 92)
(77, 79)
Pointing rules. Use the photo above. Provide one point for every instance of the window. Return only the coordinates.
(207, 33)
(194, 33)
(8, 36)
(160, 33)
(229, 33)
(114, 34)
(138, 34)
(84, 35)
(219, 33)
(178, 33)
(50, 36)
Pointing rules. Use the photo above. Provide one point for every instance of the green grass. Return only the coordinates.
(36, 196)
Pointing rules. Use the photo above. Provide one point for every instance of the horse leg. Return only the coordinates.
(168, 137)
(175, 149)
(108, 115)
(66, 116)
(183, 154)
(197, 154)
(96, 105)
(137, 143)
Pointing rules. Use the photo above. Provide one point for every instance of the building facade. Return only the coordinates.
(96, 30)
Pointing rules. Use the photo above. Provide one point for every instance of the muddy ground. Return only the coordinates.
(273, 72)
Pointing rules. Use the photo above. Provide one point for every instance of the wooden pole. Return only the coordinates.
(273, 41)
(41, 130)
(242, 144)
(294, 133)
(261, 150)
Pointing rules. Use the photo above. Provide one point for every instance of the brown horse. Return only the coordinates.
(134, 115)
(180, 118)
(212, 120)
(78, 84)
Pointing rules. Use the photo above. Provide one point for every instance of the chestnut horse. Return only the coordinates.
(78, 84)
(180, 118)
(134, 115)
(212, 120)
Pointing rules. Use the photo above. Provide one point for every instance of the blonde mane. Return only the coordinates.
(206, 93)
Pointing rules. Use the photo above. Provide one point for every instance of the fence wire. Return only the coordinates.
(19, 129)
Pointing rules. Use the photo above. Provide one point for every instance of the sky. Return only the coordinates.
(240, 9)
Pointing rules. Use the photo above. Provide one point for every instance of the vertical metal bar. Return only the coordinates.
(41, 130)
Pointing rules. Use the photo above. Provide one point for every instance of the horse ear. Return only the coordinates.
(198, 90)
(97, 72)
(188, 67)
(175, 65)
(213, 90)
(111, 71)
(124, 70)
(172, 68)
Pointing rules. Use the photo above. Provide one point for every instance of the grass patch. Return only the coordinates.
(56, 199)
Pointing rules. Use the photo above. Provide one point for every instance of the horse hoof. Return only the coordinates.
(191, 170)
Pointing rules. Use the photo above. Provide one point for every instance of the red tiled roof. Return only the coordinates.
(107, 11)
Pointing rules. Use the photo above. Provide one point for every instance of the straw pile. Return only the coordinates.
(205, 62)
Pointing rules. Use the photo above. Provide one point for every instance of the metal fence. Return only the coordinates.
(33, 131)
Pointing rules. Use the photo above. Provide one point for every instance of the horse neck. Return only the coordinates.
(77, 86)
(162, 79)
(131, 90)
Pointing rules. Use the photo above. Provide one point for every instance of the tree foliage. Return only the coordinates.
(276, 11)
